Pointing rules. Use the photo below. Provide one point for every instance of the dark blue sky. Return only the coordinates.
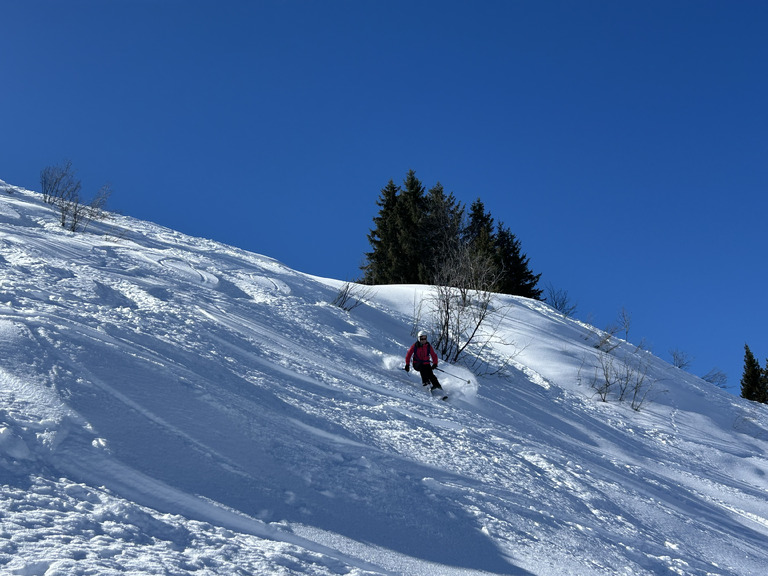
(625, 143)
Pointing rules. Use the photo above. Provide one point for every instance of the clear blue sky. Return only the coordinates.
(624, 143)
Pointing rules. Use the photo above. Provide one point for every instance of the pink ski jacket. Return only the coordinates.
(421, 355)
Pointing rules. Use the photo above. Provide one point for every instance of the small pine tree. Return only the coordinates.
(753, 380)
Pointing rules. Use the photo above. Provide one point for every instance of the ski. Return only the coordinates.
(441, 393)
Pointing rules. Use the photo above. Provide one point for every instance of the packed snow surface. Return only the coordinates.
(172, 405)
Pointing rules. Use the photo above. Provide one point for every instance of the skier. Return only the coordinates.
(422, 352)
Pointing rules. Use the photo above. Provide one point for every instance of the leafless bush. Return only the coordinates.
(640, 388)
(627, 379)
(462, 314)
(605, 338)
(81, 214)
(461, 301)
(680, 359)
(350, 296)
(61, 188)
(606, 341)
(59, 182)
(624, 321)
(465, 328)
(96, 207)
(604, 381)
(559, 300)
(716, 377)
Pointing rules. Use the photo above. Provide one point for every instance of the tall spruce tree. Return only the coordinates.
(384, 239)
(478, 232)
(398, 239)
(409, 265)
(753, 386)
(442, 226)
(515, 276)
(502, 249)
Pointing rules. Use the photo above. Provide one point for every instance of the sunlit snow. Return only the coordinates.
(172, 405)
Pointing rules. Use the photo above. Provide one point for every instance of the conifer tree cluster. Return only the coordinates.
(419, 234)
(754, 381)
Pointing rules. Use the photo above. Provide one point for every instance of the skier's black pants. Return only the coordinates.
(427, 376)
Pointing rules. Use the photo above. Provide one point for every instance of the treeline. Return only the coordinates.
(428, 237)
(754, 381)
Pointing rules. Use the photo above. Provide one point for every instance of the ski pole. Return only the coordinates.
(454, 375)
(407, 374)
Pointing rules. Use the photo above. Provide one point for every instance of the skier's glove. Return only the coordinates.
(434, 366)
(407, 368)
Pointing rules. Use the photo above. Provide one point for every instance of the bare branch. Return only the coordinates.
(559, 300)
(350, 296)
(680, 359)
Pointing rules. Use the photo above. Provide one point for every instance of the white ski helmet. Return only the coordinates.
(422, 333)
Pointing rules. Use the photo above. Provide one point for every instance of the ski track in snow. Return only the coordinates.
(172, 405)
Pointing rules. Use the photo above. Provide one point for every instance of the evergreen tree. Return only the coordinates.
(478, 233)
(502, 249)
(409, 264)
(515, 277)
(764, 384)
(427, 238)
(442, 225)
(752, 381)
(383, 239)
(397, 240)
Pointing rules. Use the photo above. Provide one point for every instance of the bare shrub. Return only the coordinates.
(603, 382)
(627, 379)
(97, 206)
(61, 188)
(624, 321)
(460, 302)
(464, 320)
(350, 296)
(559, 300)
(59, 182)
(605, 338)
(640, 388)
(680, 359)
(716, 377)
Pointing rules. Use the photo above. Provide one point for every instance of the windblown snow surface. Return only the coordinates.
(172, 405)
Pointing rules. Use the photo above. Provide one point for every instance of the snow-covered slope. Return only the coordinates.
(172, 405)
